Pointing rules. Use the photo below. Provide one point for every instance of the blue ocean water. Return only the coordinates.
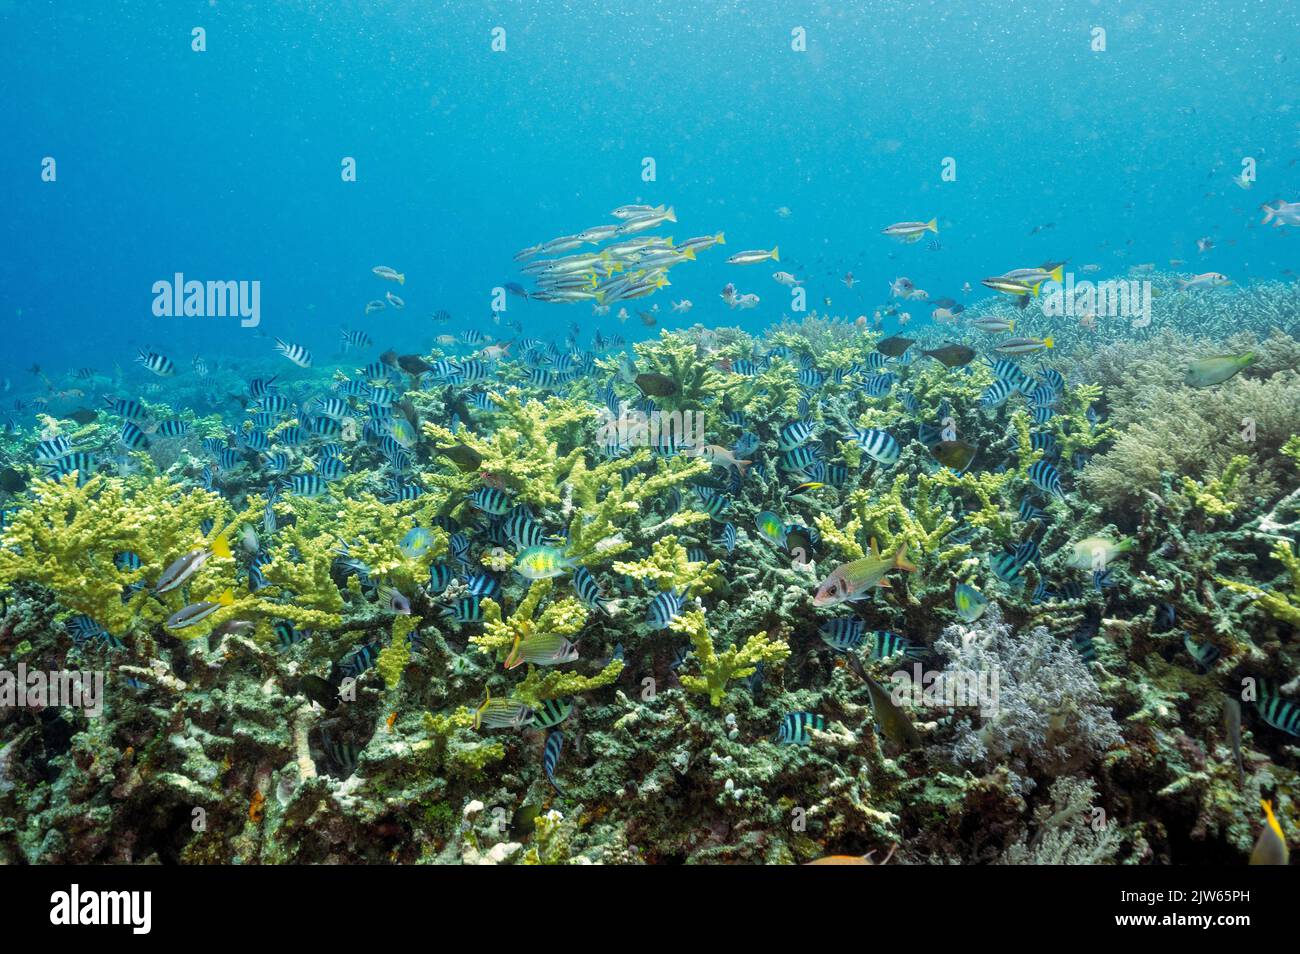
(225, 164)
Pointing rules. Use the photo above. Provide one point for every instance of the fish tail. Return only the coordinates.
(1272, 819)
(1057, 273)
(221, 547)
(901, 561)
(227, 598)
(1035, 289)
(933, 225)
(1011, 325)
(720, 238)
(401, 279)
(776, 253)
(1047, 342)
(742, 466)
(670, 215)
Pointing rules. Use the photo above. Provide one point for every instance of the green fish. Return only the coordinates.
(1208, 372)
(543, 563)
(892, 721)
(770, 528)
(970, 602)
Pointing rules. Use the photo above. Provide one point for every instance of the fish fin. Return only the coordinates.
(514, 657)
(742, 466)
(1272, 819)
(1011, 325)
(221, 547)
(901, 561)
(1057, 273)
(689, 254)
(227, 598)
(401, 279)
(776, 253)
(1047, 343)
(875, 550)
(885, 583)
(670, 215)
(720, 238)
(1035, 289)
(933, 225)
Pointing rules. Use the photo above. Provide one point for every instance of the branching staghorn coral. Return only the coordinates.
(891, 520)
(1278, 604)
(1215, 497)
(564, 617)
(699, 384)
(735, 662)
(667, 568)
(610, 515)
(67, 539)
(533, 448)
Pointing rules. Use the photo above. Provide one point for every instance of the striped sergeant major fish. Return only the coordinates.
(797, 728)
(1046, 478)
(590, 592)
(551, 712)
(126, 408)
(1278, 712)
(305, 485)
(132, 438)
(294, 352)
(879, 445)
(664, 608)
(173, 428)
(551, 757)
(159, 364)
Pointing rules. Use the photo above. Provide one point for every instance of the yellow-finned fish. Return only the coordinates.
(1270, 848)
(910, 231)
(852, 580)
(754, 256)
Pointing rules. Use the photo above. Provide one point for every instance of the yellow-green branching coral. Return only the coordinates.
(891, 520)
(533, 448)
(563, 617)
(600, 531)
(1292, 448)
(841, 538)
(735, 662)
(394, 658)
(1278, 604)
(668, 568)
(1215, 496)
(66, 538)
(540, 685)
(456, 746)
(990, 490)
(699, 383)
(371, 531)
(1070, 424)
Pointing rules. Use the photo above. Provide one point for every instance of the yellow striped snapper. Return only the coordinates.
(910, 231)
(754, 256)
(648, 221)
